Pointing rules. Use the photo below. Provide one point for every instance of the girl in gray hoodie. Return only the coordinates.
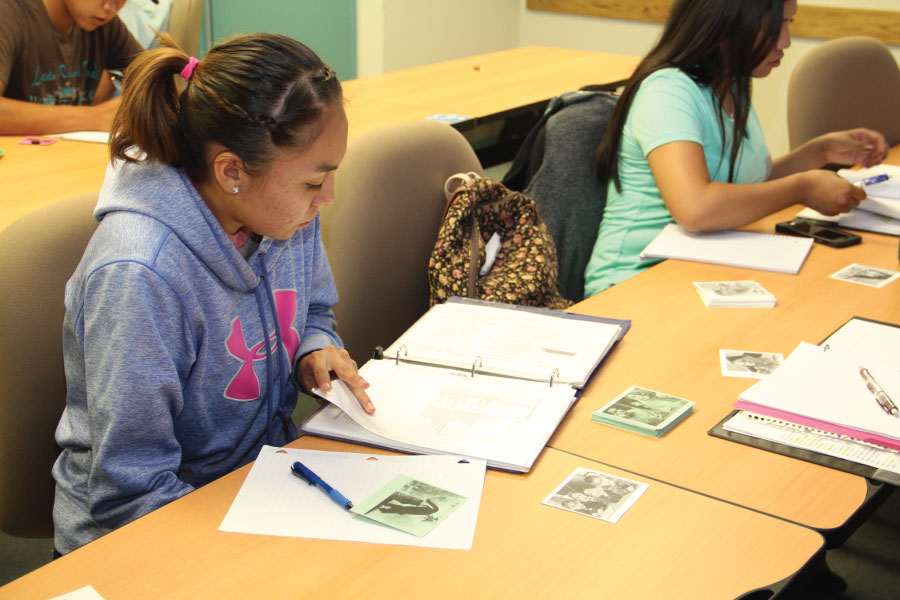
(203, 301)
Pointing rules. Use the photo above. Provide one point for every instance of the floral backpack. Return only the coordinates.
(493, 245)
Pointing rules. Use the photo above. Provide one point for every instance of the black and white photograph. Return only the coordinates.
(748, 293)
(865, 275)
(410, 505)
(732, 288)
(744, 363)
(644, 407)
(596, 494)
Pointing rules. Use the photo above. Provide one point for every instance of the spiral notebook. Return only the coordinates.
(867, 340)
(761, 251)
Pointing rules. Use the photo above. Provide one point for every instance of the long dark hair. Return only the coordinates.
(251, 94)
(717, 43)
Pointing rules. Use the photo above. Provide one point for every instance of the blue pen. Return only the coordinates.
(303, 472)
(876, 179)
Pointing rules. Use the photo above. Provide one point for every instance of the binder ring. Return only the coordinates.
(553, 376)
(476, 362)
(405, 353)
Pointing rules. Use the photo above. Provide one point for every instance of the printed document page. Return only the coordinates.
(505, 421)
(508, 341)
(822, 442)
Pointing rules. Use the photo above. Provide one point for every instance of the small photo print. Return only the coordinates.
(650, 409)
(741, 363)
(595, 494)
(730, 289)
(870, 276)
(409, 505)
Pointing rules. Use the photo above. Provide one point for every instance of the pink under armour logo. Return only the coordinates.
(244, 385)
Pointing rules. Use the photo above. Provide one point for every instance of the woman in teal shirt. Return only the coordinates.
(670, 152)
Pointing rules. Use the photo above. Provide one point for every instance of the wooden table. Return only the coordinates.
(673, 347)
(671, 544)
(503, 82)
(481, 85)
(34, 176)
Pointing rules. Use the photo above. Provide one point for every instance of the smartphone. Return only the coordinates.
(830, 236)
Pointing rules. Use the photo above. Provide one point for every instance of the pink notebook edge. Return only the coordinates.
(865, 436)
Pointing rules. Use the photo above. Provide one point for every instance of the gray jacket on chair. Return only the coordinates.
(565, 188)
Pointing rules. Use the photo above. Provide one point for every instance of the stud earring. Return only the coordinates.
(235, 190)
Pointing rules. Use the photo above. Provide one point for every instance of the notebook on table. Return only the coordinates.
(761, 251)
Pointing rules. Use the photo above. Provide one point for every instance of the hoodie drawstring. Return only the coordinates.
(279, 352)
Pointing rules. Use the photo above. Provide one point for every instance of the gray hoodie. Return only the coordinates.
(178, 351)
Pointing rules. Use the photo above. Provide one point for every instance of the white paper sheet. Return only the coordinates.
(85, 593)
(827, 386)
(856, 219)
(884, 190)
(424, 409)
(867, 341)
(97, 137)
(273, 501)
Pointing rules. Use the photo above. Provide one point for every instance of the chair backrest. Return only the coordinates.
(185, 21)
(564, 184)
(389, 199)
(40, 252)
(844, 83)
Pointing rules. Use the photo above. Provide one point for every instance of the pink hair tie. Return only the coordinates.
(188, 71)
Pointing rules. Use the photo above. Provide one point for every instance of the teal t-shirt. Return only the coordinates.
(668, 107)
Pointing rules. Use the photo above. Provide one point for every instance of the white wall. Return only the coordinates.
(629, 37)
(397, 34)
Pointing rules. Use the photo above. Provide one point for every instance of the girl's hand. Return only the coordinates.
(858, 146)
(316, 370)
(829, 193)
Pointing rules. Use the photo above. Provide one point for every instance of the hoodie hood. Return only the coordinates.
(125, 190)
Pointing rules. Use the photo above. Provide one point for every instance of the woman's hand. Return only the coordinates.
(828, 192)
(316, 369)
(858, 146)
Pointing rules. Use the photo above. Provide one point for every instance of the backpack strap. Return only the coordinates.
(472, 291)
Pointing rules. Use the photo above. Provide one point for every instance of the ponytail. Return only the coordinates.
(148, 115)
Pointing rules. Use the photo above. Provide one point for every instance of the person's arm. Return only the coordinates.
(137, 354)
(698, 204)
(105, 89)
(859, 146)
(26, 118)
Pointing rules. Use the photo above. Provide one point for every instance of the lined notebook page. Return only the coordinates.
(762, 251)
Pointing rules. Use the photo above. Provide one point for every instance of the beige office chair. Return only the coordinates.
(40, 252)
(379, 233)
(844, 83)
(185, 21)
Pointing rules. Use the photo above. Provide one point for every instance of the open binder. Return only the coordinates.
(473, 378)
(817, 441)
